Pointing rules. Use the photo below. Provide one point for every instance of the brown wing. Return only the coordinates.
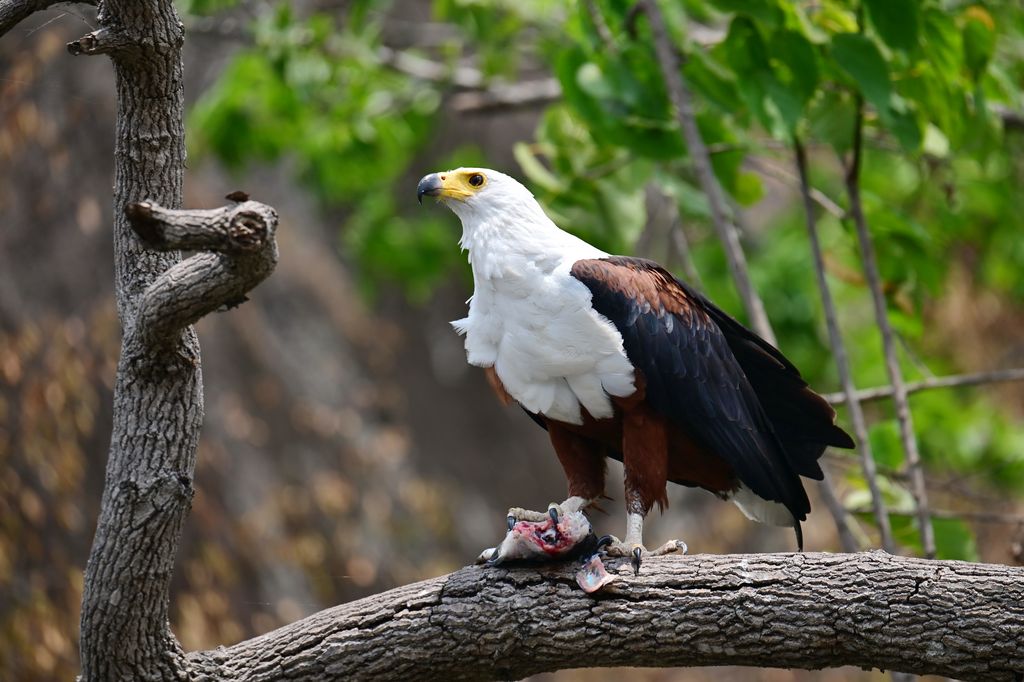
(684, 346)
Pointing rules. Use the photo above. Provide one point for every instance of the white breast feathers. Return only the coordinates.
(529, 317)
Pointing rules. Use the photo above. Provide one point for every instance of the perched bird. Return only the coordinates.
(618, 358)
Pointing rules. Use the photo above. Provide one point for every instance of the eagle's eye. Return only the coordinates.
(476, 179)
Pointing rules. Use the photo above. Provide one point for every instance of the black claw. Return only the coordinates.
(635, 561)
(511, 520)
(604, 541)
(553, 513)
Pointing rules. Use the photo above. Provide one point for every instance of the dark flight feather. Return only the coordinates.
(730, 390)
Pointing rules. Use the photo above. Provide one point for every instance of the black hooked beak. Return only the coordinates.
(430, 185)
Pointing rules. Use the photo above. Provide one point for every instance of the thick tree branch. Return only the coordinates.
(103, 41)
(13, 12)
(158, 401)
(809, 611)
(244, 252)
(954, 381)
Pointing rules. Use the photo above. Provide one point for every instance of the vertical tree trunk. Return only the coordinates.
(158, 406)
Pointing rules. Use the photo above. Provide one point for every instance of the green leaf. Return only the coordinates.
(690, 201)
(592, 81)
(942, 43)
(534, 169)
(726, 164)
(748, 188)
(979, 40)
(795, 62)
(935, 143)
(896, 21)
(568, 65)
(712, 80)
(745, 52)
(765, 11)
(901, 120)
(835, 17)
(777, 107)
(622, 98)
(904, 531)
(861, 60)
(831, 115)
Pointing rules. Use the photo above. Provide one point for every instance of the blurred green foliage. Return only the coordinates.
(941, 174)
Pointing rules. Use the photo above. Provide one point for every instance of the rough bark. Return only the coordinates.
(809, 611)
(157, 413)
(158, 402)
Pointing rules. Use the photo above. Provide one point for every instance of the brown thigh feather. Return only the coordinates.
(644, 459)
(582, 459)
(653, 451)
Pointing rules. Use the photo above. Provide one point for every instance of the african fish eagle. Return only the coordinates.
(618, 358)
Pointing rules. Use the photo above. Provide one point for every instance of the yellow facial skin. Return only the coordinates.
(458, 184)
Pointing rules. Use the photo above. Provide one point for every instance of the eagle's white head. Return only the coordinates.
(481, 194)
(502, 223)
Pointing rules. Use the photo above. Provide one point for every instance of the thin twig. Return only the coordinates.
(679, 247)
(726, 229)
(543, 91)
(600, 25)
(478, 95)
(103, 41)
(508, 96)
(851, 459)
(899, 391)
(835, 338)
(819, 197)
(953, 381)
(12, 12)
(975, 516)
(425, 69)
